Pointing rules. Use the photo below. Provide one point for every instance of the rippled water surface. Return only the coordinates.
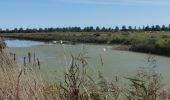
(55, 57)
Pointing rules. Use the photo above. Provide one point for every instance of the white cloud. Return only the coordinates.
(121, 2)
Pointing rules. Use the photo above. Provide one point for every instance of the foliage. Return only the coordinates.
(87, 29)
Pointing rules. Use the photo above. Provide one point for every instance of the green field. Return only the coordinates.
(148, 42)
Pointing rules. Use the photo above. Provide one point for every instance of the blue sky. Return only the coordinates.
(65, 13)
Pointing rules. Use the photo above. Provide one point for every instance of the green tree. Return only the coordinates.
(15, 30)
(124, 28)
(91, 29)
(116, 29)
(153, 28)
(34, 30)
(40, 30)
(1, 30)
(157, 28)
(164, 28)
(135, 29)
(147, 28)
(103, 29)
(109, 29)
(130, 28)
(20, 30)
(97, 28)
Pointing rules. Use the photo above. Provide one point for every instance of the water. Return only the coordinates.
(24, 43)
(55, 57)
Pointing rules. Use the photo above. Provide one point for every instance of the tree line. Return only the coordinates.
(88, 29)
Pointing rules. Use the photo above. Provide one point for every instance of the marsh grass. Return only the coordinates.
(147, 85)
(19, 82)
(147, 42)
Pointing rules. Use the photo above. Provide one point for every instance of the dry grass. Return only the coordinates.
(19, 82)
(2, 45)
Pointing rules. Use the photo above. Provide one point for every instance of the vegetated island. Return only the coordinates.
(154, 39)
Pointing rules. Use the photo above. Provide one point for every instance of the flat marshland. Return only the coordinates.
(156, 42)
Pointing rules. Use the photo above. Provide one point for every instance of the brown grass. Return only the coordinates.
(19, 82)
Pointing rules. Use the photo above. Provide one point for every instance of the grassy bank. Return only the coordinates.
(148, 42)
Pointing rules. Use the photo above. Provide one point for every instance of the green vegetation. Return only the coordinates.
(88, 29)
(157, 42)
(149, 39)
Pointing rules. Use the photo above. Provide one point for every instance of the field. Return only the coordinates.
(148, 42)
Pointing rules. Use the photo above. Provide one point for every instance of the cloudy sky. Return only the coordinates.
(64, 13)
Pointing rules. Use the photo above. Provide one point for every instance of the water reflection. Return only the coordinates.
(22, 43)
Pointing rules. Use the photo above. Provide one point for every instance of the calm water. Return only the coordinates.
(55, 57)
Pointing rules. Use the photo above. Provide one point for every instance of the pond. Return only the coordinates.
(55, 57)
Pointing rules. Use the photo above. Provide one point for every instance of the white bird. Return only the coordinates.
(54, 42)
(104, 49)
(61, 41)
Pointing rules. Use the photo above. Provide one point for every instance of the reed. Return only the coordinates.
(18, 82)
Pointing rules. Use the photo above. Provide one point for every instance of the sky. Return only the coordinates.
(66, 13)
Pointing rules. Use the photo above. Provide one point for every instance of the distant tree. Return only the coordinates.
(164, 28)
(169, 27)
(153, 28)
(51, 29)
(27, 30)
(116, 29)
(77, 29)
(103, 29)
(157, 28)
(91, 29)
(34, 30)
(139, 29)
(86, 29)
(7, 31)
(124, 28)
(20, 30)
(143, 28)
(97, 29)
(15, 30)
(147, 28)
(109, 29)
(63, 29)
(130, 28)
(45, 30)
(40, 30)
(70, 29)
(1, 31)
(135, 29)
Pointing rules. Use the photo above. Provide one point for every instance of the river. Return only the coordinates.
(55, 57)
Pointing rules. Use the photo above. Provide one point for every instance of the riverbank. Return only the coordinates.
(146, 42)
